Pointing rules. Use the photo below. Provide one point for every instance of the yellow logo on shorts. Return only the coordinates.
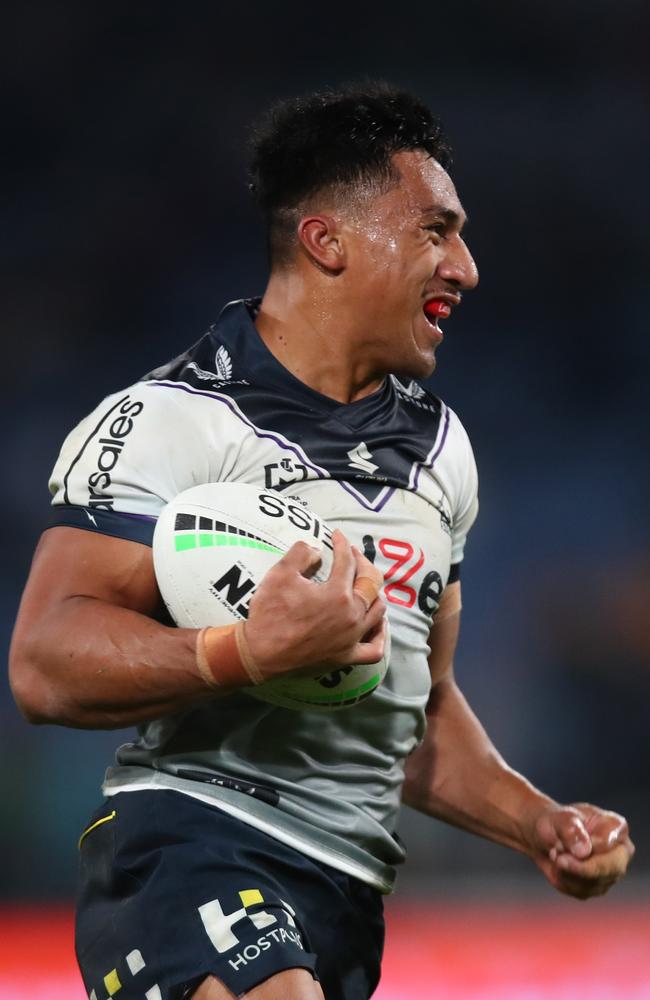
(250, 897)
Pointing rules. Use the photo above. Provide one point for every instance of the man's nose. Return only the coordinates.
(458, 267)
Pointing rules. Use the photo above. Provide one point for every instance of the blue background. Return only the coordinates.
(127, 225)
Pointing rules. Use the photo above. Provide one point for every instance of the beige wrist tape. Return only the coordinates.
(224, 659)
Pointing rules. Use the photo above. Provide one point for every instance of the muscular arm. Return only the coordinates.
(88, 651)
(458, 776)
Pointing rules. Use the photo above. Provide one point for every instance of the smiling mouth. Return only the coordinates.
(436, 309)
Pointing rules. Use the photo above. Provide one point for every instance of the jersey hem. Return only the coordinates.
(335, 859)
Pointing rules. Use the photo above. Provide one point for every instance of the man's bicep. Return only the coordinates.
(87, 651)
(443, 637)
(72, 563)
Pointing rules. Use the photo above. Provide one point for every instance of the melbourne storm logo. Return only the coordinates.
(360, 459)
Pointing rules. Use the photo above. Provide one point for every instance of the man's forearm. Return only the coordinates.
(457, 775)
(93, 665)
(88, 650)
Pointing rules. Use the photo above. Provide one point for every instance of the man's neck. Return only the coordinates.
(316, 335)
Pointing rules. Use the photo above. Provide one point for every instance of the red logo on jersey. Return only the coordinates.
(400, 554)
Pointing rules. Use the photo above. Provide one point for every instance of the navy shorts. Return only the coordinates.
(172, 890)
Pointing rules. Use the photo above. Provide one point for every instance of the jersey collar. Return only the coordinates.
(236, 329)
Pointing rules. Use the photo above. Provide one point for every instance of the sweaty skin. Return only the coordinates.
(348, 309)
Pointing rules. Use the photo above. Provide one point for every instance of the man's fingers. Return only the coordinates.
(607, 831)
(580, 888)
(371, 648)
(343, 562)
(364, 568)
(365, 589)
(585, 850)
(368, 580)
(576, 839)
(609, 837)
(375, 616)
(610, 866)
(350, 567)
(301, 558)
(564, 830)
(619, 835)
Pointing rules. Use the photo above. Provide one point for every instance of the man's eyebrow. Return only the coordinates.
(451, 217)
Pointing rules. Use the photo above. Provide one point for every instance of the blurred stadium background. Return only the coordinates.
(127, 225)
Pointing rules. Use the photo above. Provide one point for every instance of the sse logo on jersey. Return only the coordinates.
(275, 506)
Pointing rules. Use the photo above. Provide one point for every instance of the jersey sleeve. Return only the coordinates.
(465, 488)
(125, 461)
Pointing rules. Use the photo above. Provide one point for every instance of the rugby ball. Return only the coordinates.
(212, 546)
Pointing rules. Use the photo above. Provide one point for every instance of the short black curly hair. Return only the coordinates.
(334, 140)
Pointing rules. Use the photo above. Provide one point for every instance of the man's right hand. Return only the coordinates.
(88, 651)
(295, 623)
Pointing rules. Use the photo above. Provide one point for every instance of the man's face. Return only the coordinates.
(406, 254)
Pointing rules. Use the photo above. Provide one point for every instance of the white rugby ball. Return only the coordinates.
(211, 548)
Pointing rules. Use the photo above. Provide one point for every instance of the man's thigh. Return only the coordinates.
(294, 984)
(173, 891)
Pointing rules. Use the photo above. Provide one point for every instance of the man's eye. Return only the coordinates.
(439, 228)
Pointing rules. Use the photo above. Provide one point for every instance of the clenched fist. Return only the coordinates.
(581, 849)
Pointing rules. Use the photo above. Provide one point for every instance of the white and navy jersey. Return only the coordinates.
(393, 470)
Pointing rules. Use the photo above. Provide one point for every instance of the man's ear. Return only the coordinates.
(320, 238)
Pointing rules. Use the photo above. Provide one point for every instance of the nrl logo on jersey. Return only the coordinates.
(286, 472)
(223, 374)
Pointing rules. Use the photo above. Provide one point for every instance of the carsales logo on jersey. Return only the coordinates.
(111, 449)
